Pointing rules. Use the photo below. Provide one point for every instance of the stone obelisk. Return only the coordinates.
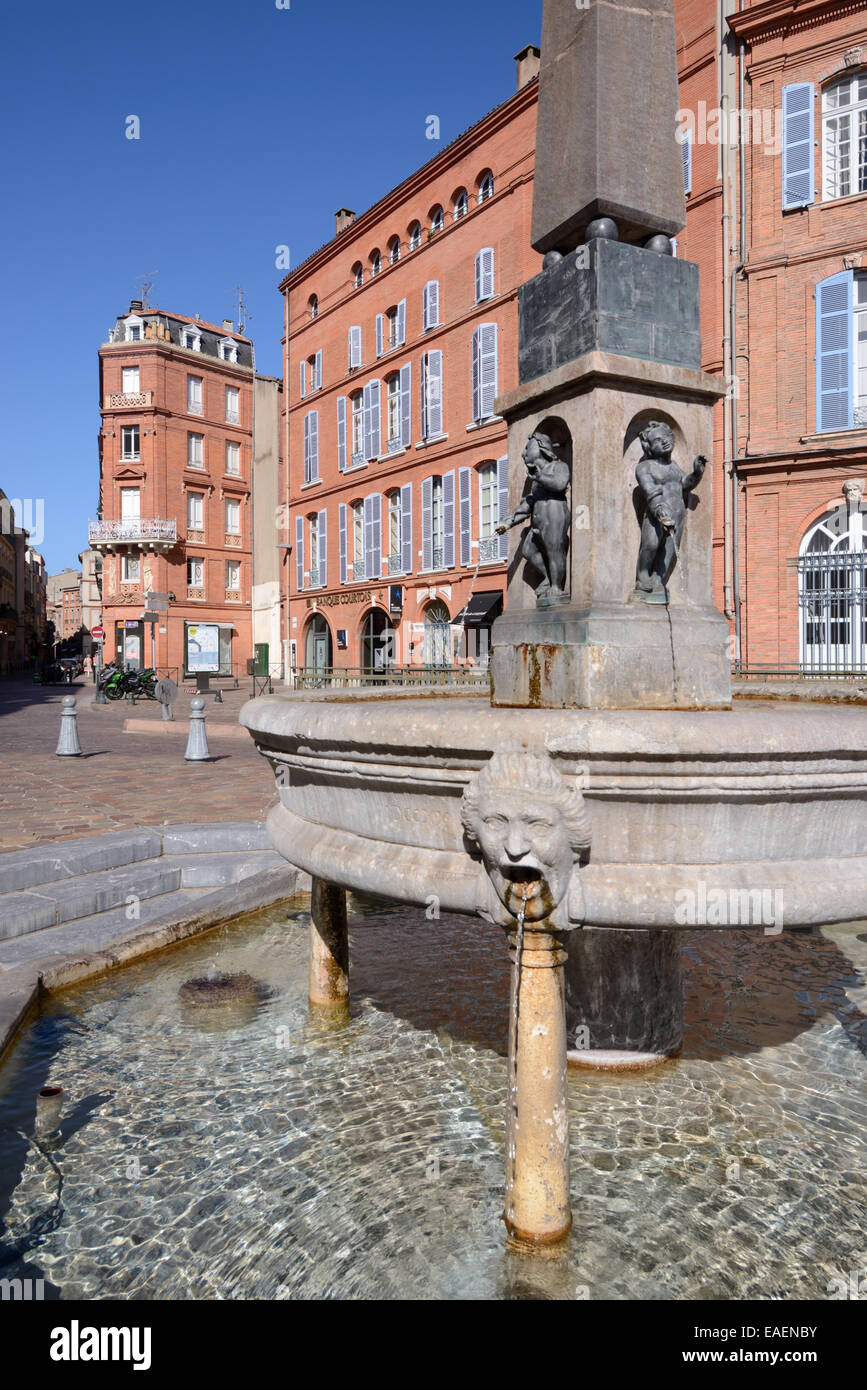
(609, 343)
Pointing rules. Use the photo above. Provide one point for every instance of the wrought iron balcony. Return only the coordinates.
(438, 562)
(489, 549)
(395, 565)
(149, 532)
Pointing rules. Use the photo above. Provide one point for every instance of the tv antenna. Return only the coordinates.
(239, 308)
(147, 284)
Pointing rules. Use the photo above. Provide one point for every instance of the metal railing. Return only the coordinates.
(832, 606)
(395, 563)
(356, 677)
(489, 549)
(135, 529)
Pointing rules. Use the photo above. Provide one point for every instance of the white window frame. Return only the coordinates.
(191, 461)
(486, 186)
(132, 453)
(196, 334)
(233, 452)
(232, 514)
(195, 407)
(233, 415)
(128, 560)
(857, 108)
(461, 206)
(126, 385)
(228, 349)
(415, 236)
(233, 567)
(195, 572)
(134, 322)
(195, 505)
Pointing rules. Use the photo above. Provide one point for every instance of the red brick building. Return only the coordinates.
(776, 95)
(176, 396)
(399, 334)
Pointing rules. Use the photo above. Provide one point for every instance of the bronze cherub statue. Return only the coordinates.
(546, 543)
(663, 486)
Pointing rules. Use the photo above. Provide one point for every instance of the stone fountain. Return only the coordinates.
(608, 794)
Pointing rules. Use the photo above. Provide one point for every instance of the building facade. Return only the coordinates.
(398, 336)
(175, 521)
(64, 604)
(776, 93)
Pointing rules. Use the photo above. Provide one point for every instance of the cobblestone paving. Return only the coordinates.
(122, 779)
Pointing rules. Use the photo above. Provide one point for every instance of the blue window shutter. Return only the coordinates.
(299, 552)
(503, 495)
(488, 368)
(406, 528)
(434, 393)
(401, 323)
(323, 549)
(313, 417)
(431, 304)
(375, 417)
(376, 510)
(341, 433)
(422, 379)
(341, 529)
(798, 151)
(477, 375)
(449, 520)
(368, 537)
(465, 506)
(834, 333)
(686, 157)
(317, 370)
(355, 346)
(307, 448)
(427, 524)
(303, 366)
(365, 419)
(379, 335)
(485, 273)
(406, 405)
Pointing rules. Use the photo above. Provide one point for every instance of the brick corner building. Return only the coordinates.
(399, 334)
(176, 479)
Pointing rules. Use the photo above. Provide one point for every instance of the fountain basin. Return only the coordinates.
(687, 807)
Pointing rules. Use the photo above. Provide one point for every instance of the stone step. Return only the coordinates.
(215, 838)
(215, 870)
(28, 868)
(96, 932)
(51, 904)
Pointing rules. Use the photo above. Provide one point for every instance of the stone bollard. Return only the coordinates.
(197, 743)
(166, 691)
(68, 745)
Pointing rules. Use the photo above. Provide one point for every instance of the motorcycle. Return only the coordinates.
(116, 683)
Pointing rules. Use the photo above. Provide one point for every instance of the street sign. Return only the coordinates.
(151, 618)
(97, 633)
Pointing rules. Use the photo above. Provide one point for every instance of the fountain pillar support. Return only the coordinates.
(624, 998)
(537, 1125)
(329, 948)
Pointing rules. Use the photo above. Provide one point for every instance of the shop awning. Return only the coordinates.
(481, 610)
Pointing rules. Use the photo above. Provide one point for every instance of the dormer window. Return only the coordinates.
(228, 350)
(134, 330)
(191, 338)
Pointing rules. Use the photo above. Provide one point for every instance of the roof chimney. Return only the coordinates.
(228, 325)
(343, 217)
(527, 62)
(135, 306)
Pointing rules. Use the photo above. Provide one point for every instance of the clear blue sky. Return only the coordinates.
(256, 124)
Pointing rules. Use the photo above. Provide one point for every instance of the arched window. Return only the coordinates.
(375, 262)
(486, 186)
(414, 236)
(358, 275)
(437, 635)
(461, 204)
(377, 642)
(318, 654)
(437, 221)
(314, 306)
(394, 250)
(844, 136)
(832, 589)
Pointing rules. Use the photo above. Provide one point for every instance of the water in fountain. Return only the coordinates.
(299, 1162)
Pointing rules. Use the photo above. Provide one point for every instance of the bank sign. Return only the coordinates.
(203, 647)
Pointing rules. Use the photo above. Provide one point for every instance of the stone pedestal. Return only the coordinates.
(537, 1126)
(604, 647)
(329, 950)
(624, 999)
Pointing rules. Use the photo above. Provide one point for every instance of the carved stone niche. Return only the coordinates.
(547, 492)
(531, 831)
